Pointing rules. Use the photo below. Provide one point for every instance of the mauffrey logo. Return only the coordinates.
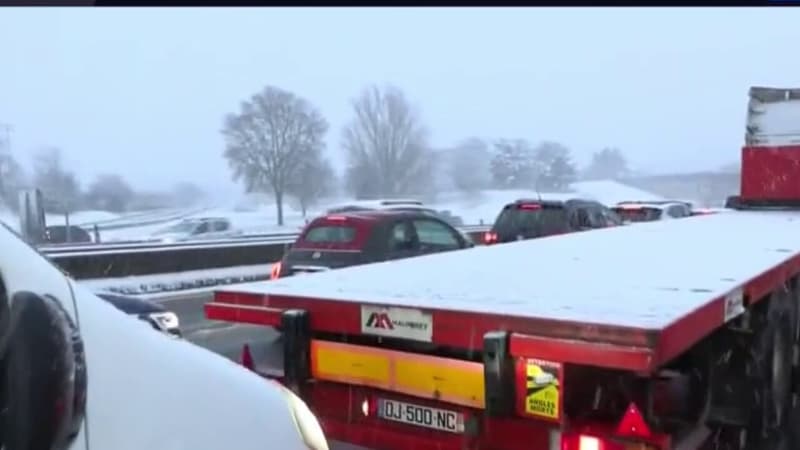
(405, 323)
(380, 320)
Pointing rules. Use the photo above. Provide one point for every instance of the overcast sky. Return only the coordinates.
(143, 91)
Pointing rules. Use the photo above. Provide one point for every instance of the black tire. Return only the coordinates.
(44, 376)
(733, 202)
(771, 425)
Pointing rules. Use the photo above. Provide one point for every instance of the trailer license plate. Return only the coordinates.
(422, 416)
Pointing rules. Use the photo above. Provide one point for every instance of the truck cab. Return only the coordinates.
(78, 374)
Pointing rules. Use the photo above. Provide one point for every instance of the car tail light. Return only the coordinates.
(336, 218)
(489, 238)
(530, 206)
(275, 272)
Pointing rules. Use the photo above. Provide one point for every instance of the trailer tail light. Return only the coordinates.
(631, 433)
(633, 424)
(369, 407)
(590, 442)
(275, 271)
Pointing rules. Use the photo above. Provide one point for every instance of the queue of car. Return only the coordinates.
(382, 230)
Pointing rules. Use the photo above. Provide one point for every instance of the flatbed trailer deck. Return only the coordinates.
(652, 290)
(673, 335)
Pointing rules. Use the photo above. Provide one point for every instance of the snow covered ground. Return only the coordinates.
(80, 217)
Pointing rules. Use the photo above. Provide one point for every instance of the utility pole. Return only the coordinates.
(5, 158)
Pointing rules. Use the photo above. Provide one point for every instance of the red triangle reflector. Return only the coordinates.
(633, 424)
(247, 358)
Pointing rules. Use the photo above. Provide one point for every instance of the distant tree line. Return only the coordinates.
(63, 193)
(275, 144)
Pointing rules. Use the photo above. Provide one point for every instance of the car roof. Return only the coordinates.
(551, 201)
(200, 219)
(377, 204)
(654, 204)
(375, 215)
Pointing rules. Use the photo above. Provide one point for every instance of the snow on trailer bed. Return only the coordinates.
(628, 286)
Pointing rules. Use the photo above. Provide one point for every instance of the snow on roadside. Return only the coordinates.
(179, 281)
(81, 217)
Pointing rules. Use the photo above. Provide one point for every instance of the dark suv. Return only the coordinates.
(361, 237)
(530, 219)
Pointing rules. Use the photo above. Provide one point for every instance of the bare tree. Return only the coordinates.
(187, 193)
(554, 166)
(60, 188)
(609, 163)
(513, 164)
(386, 145)
(109, 192)
(269, 138)
(315, 179)
(470, 165)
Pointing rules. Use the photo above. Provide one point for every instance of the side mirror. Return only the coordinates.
(44, 375)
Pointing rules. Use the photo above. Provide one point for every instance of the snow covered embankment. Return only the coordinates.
(180, 281)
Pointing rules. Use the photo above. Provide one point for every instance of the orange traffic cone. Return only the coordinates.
(247, 358)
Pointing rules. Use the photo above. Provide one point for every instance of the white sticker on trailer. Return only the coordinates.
(734, 304)
(404, 323)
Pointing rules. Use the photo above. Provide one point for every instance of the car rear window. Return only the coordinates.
(529, 218)
(330, 234)
(638, 214)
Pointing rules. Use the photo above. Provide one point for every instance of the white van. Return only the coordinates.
(78, 374)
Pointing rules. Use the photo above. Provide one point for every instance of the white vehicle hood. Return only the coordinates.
(149, 391)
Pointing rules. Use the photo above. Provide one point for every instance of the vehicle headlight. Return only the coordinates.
(307, 423)
(167, 320)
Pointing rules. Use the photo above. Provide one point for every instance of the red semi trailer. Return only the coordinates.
(667, 335)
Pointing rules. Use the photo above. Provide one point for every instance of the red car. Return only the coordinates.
(361, 237)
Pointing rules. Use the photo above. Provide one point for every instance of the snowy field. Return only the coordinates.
(479, 208)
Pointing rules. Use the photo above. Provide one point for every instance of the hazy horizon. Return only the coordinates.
(142, 92)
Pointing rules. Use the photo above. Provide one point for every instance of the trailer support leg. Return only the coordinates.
(498, 374)
(296, 348)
